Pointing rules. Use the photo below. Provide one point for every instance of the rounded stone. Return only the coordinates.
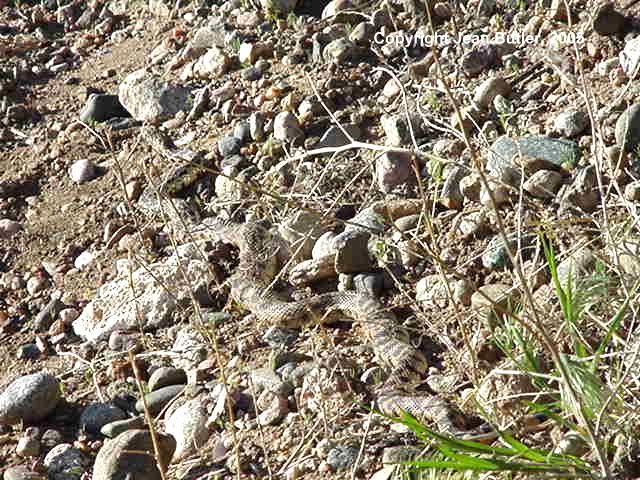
(97, 415)
(158, 399)
(82, 171)
(29, 398)
(64, 462)
(130, 455)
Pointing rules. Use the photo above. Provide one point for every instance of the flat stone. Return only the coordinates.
(114, 429)
(501, 164)
(158, 399)
(334, 137)
(22, 473)
(165, 376)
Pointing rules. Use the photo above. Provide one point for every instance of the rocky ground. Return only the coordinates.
(500, 127)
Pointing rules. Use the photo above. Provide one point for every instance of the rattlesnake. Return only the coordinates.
(260, 264)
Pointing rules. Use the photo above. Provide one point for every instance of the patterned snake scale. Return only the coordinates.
(250, 286)
(260, 264)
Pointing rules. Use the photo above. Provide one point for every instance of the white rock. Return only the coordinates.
(630, 56)
(116, 306)
(82, 171)
(187, 425)
(150, 99)
(286, 127)
(8, 228)
(84, 259)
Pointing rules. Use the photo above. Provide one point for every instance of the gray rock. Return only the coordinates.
(393, 169)
(9, 228)
(342, 456)
(22, 473)
(213, 64)
(543, 184)
(101, 107)
(334, 137)
(165, 376)
(82, 171)
(64, 462)
(396, 128)
(628, 128)
(120, 341)
(479, 59)
(97, 415)
(554, 151)
(242, 131)
(158, 399)
(362, 33)
(187, 425)
(571, 124)
(29, 398)
(150, 99)
(488, 90)
(51, 438)
(29, 443)
(274, 407)
(301, 230)
(114, 429)
(278, 337)
(228, 146)
(131, 455)
(401, 453)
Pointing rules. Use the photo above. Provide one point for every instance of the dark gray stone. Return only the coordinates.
(101, 107)
(496, 255)
(165, 376)
(553, 150)
(342, 456)
(157, 400)
(29, 398)
(28, 351)
(97, 415)
(228, 146)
